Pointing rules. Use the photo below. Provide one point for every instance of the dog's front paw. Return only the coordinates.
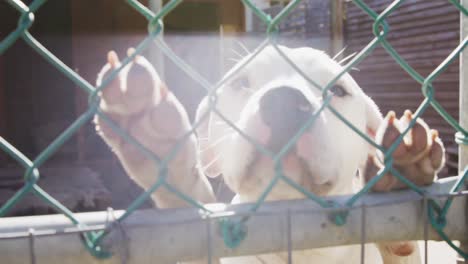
(419, 157)
(135, 87)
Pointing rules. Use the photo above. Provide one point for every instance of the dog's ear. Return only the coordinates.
(130, 51)
(210, 162)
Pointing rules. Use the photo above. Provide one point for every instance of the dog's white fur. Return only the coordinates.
(323, 160)
(342, 148)
(332, 151)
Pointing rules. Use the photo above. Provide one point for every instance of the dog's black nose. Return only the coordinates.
(284, 110)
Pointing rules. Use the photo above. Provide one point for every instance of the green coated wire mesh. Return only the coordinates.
(232, 231)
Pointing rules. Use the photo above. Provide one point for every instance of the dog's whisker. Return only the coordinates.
(347, 58)
(355, 69)
(339, 53)
(217, 142)
(234, 60)
(237, 54)
(243, 47)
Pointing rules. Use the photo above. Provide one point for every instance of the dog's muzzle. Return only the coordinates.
(284, 110)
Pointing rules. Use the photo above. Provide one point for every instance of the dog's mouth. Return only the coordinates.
(316, 184)
(294, 168)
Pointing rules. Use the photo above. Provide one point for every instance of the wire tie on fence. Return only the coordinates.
(113, 223)
(338, 217)
(437, 221)
(32, 250)
(461, 138)
(26, 20)
(155, 27)
(233, 232)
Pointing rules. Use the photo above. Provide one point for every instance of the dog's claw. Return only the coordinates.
(417, 138)
(437, 152)
(112, 58)
(418, 157)
(388, 132)
(130, 51)
(391, 117)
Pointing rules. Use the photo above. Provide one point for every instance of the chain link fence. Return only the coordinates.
(233, 231)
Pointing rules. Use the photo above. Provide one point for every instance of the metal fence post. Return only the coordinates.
(156, 56)
(463, 149)
(337, 9)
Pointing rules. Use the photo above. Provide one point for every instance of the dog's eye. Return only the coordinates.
(338, 90)
(240, 83)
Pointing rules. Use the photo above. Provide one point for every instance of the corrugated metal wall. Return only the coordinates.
(308, 24)
(424, 32)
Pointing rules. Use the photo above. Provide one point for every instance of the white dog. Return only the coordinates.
(269, 101)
